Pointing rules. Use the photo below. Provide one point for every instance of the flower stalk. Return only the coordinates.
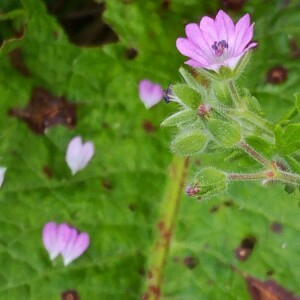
(165, 225)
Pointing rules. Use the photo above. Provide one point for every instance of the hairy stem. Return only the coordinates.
(246, 177)
(254, 154)
(234, 94)
(165, 225)
(288, 177)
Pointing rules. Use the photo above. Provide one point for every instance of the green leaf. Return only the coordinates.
(297, 101)
(287, 139)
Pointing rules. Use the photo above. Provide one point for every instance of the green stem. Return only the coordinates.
(234, 94)
(255, 155)
(288, 177)
(165, 225)
(257, 121)
(246, 177)
(243, 112)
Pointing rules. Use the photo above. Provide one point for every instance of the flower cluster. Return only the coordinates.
(64, 240)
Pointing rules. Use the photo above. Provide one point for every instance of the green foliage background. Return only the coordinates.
(121, 219)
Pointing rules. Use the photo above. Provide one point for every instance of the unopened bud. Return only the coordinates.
(204, 109)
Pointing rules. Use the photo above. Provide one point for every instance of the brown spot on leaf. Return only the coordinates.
(245, 249)
(270, 273)
(295, 49)
(17, 61)
(106, 184)
(105, 125)
(228, 203)
(214, 209)
(165, 4)
(276, 227)
(268, 290)
(131, 53)
(148, 126)
(70, 295)
(233, 4)
(47, 171)
(45, 110)
(277, 75)
(190, 262)
(132, 207)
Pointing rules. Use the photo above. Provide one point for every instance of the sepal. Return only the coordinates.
(190, 142)
(180, 118)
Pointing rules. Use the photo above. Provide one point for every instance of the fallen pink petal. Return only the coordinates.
(216, 42)
(55, 238)
(79, 154)
(64, 240)
(77, 245)
(2, 174)
(150, 93)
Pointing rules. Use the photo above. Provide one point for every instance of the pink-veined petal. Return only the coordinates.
(207, 24)
(194, 35)
(224, 26)
(188, 48)
(49, 236)
(76, 247)
(244, 41)
(240, 29)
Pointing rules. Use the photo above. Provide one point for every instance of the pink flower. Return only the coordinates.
(79, 154)
(216, 43)
(65, 240)
(150, 93)
(2, 173)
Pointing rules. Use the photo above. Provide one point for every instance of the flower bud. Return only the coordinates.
(189, 142)
(210, 182)
(226, 134)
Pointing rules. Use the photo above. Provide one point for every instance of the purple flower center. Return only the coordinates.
(219, 47)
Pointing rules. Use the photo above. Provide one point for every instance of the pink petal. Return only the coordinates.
(150, 93)
(88, 152)
(49, 239)
(194, 63)
(2, 173)
(78, 154)
(77, 245)
(187, 48)
(224, 26)
(244, 41)
(63, 236)
(208, 25)
(241, 28)
(194, 35)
